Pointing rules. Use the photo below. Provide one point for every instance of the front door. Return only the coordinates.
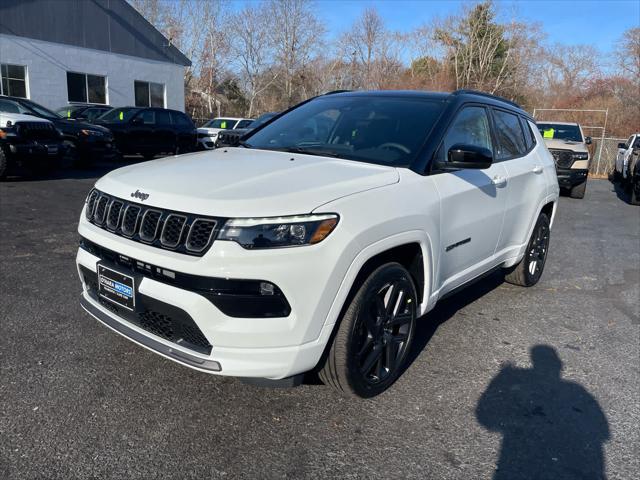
(472, 204)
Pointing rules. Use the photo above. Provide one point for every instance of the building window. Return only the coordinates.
(85, 88)
(149, 94)
(14, 80)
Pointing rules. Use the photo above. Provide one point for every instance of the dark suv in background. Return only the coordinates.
(150, 131)
(84, 141)
(87, 113)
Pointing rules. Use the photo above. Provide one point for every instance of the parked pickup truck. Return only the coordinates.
(568, 145)
(318, 244)
(28, 144)
(625, 152)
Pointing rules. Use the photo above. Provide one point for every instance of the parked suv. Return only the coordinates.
(84, 142)
(568, 145)
(28, 144)
(208, 133)
(621, 170)
(318, 244)
(150, 131)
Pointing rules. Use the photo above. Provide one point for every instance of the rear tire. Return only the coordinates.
(375, 334)
(634, 199)
(578, 190)
(529, 270)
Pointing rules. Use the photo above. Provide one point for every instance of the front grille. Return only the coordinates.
(563, 158)
(182, 232)
(37, 130)
(156, 317)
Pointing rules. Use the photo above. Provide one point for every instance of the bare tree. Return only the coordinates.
(363, 43)
(628, 54)
(252, 50)
(297, 35)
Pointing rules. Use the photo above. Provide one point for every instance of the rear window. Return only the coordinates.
(509, 134)
(384, 130)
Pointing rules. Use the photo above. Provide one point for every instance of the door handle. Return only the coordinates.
(537, 169)
(499, 181)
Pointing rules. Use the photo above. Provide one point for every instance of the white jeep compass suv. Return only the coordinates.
(318, 243)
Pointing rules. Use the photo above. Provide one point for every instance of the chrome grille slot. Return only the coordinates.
(200, 234)
(130, 220)
(149, 225)
(177, 231)
(113, 217)
(172, 230)
(91, 203)
(101, 210)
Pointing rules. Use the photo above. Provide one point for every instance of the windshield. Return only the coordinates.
(262, 119)
(373, 129)
(118, 115)
(69, 112)
(223, 123)
(562, 132)
(38, 110)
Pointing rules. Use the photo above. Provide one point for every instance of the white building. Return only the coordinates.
(60, 52)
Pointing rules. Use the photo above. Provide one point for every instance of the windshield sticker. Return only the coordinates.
(548, 133)
(223, 124)
(121, 115)
(68, 113)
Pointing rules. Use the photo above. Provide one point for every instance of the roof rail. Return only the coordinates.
(484, 94)
(332, 92)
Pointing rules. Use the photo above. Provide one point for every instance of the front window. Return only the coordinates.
(119, 115)
(373, 129)
(32, 108)
(85, 88)
(14, 80)
(559, 131)
(69, 112)
(223, 123)
(149, 94)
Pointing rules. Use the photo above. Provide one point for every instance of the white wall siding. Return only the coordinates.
(48, 63)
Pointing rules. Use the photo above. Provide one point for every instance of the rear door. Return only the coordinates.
(472, 203)
(165, 138)
(141, 137)
(527, 185)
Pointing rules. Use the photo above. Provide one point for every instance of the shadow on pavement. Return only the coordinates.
(551, 428)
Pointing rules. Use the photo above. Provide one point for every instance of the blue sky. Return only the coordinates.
(570, 22)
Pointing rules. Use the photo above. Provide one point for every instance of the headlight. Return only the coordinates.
(277, 232)
(93, 133)
(581, 156)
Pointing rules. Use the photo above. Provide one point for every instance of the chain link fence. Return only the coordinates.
(603, 156)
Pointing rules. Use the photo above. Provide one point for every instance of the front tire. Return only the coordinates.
(578, 190)
(529, 270)
(375, 334)
(4, 164)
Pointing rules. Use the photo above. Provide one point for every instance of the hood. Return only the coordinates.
(240, 182)
(565, 145)
(18, 117)
(75, 125)
(209, 130)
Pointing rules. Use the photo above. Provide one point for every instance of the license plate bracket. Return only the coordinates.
(117, 287)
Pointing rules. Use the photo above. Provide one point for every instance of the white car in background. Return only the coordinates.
(625, 151)
(208, 133)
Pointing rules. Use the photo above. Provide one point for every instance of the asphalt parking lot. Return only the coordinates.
(484, 387)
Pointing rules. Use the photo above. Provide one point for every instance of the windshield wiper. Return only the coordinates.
(312, 151)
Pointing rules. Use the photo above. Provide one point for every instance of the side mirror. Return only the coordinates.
(469, 156)
(587, 140)
(622, 146)
(136, 121)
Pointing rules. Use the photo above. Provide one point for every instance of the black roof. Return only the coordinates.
(106, 25)
(458, 95)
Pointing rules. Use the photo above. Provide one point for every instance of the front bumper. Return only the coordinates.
(273, 347)
(570, 177)
(29, 150)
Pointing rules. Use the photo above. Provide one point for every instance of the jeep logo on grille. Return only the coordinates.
(140, 195)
